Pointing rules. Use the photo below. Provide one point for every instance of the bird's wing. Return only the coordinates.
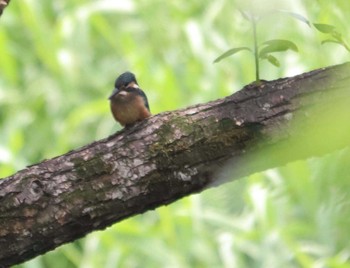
(143, 95)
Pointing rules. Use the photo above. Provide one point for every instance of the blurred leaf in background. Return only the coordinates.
(58, 63)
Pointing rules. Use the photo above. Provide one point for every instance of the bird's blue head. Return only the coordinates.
(125, 79)
(122, 82)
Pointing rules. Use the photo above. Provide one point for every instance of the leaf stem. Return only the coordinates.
(256, 55)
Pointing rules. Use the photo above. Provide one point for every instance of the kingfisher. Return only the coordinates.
(128, 102)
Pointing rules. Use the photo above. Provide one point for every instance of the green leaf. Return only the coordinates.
(273, 60)
(276, 45)
(231, 52)
(330, 41)
(337, 36)
(295, 16)
(248, 16)
(324, 28)
(336, 42)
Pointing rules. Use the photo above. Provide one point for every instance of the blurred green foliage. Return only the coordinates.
(58, 63)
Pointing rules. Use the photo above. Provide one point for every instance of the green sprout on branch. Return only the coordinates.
(334, 36)
(264, 50)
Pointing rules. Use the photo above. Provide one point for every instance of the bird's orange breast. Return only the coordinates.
(130, 109)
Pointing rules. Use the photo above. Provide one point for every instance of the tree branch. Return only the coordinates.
(164, 158)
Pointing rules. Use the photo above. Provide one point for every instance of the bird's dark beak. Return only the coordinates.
(115, 91)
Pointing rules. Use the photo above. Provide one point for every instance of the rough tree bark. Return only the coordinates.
(164, 158)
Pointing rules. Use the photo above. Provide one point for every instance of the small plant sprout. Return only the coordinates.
(334, 36)
(264, 50)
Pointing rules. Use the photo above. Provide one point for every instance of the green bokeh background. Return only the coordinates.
(58, 62)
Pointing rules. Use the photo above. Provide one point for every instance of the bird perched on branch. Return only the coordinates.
(128, 102)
